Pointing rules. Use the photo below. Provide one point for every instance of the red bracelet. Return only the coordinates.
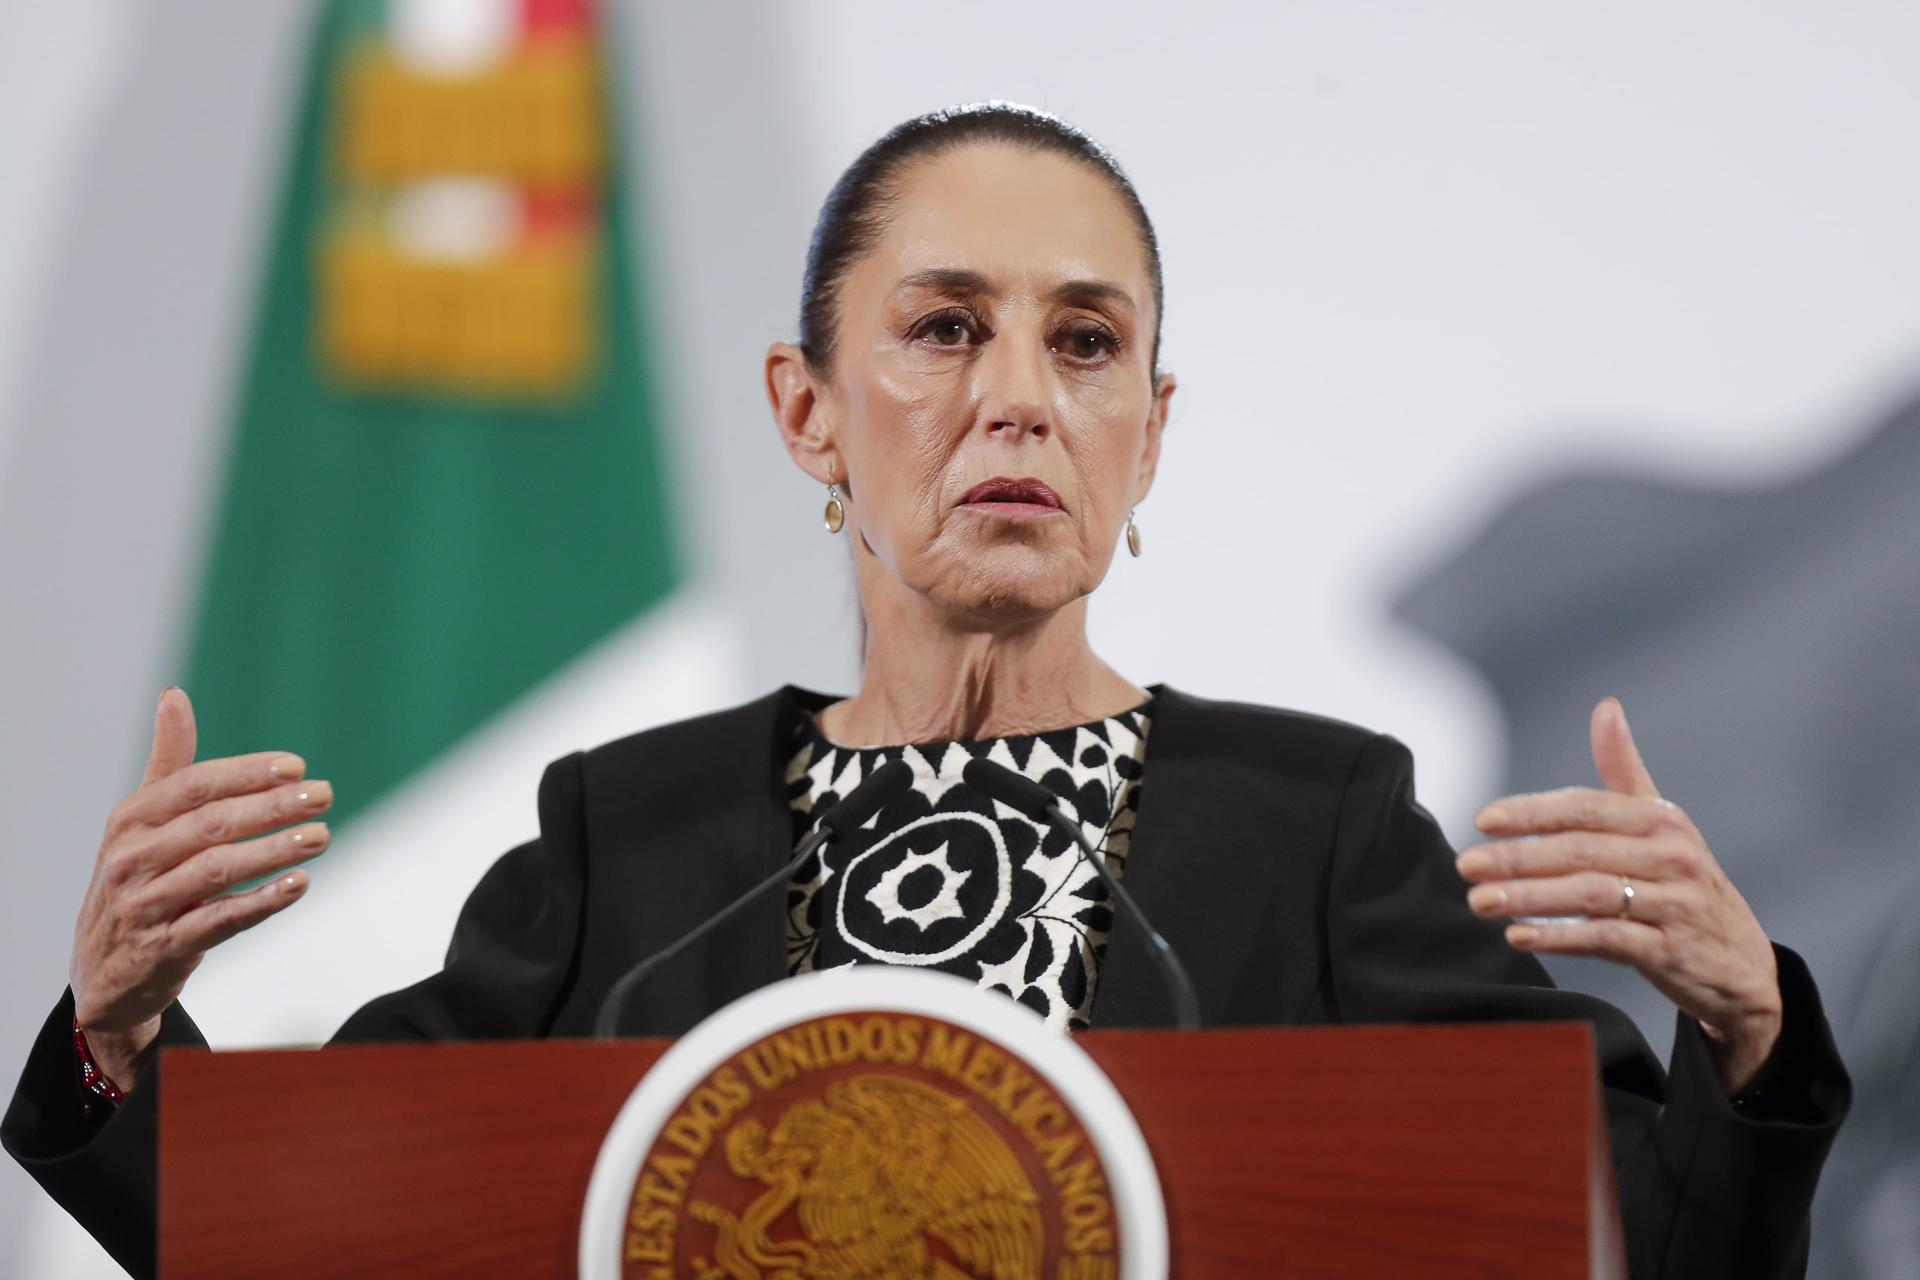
(92, 1078)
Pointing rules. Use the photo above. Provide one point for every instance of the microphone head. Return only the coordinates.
(997, 782)
(869, 798)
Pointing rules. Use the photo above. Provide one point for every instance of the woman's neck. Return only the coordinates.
(928, 680)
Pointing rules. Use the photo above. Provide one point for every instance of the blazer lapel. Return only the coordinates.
(1210, 867)
(762, 930)
(716, 821)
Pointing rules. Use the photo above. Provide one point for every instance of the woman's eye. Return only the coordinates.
(948, 329)
(1087, 344)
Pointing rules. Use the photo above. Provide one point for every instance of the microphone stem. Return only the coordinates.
(607, 1022)
(1186, 1004)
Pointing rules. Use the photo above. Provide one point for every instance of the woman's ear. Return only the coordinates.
(1156, 424)
(798, 412)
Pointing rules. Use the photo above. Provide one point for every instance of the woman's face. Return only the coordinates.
(991, 413)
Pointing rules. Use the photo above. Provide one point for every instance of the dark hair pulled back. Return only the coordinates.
(854, 215)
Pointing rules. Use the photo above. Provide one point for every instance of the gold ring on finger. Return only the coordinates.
(1626, 898)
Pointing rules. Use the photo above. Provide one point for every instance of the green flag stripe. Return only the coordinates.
(388, 570)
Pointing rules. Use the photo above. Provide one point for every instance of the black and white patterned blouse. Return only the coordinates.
(944, 878)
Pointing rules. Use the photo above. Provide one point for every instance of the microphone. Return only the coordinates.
(997, 782)
(845, 817)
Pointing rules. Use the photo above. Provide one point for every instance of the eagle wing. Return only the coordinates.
(987, 1211)
(933, 1166)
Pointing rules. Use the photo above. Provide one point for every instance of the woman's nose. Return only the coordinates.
(1014, 387)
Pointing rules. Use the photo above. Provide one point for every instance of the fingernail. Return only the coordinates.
(1491, 816)
(317, 795)
(1521, 935)
(1474, 862)
(292, 883)
(313, 835)
(1487, 898)
(287, 767)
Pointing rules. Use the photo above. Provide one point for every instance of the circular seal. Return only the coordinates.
(877, 1122)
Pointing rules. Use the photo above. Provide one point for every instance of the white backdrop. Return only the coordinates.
(1417, 256)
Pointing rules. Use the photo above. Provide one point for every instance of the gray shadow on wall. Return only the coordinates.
(1764, 643)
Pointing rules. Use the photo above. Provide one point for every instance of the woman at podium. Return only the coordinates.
(976, 389)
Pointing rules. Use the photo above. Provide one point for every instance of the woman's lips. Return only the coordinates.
(1018, 496)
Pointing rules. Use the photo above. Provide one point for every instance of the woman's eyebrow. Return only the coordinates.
(963, 281)
(948, 280)
(1093, 291)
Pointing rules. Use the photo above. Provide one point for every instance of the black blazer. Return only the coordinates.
(1283, 856)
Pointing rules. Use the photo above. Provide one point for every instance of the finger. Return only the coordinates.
(1574, 809)
(174, 735)
(1614, 753)
(212, 872)
(210, 925)
(1564, 852)
(1625, 941)
(185, 790)
(1586, 893)
(229, 819)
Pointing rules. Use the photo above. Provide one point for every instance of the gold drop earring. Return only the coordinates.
(1133, 536)
(836, 515)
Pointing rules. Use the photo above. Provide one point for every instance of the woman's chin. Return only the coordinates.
(1016, 594)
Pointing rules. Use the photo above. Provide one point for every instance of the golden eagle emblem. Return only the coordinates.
(890, 1179)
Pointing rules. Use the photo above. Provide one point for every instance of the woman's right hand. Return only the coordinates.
(159, 900)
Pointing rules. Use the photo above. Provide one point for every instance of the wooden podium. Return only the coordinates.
(1374, 1151)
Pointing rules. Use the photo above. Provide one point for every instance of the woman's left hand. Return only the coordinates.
(1682, 924)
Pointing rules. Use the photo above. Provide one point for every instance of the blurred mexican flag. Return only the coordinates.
(443, 548)
(418, 526)
(444, 481)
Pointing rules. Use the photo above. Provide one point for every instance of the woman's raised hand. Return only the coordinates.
(1652, 893)
(172, 850)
